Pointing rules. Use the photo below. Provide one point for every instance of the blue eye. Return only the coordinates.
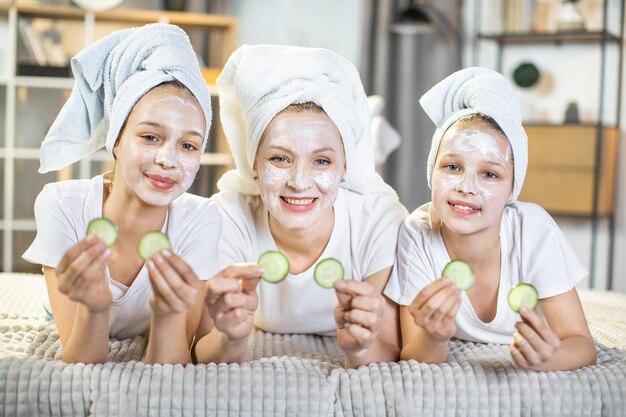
(279, 159)
(453, 167)
(322, 162)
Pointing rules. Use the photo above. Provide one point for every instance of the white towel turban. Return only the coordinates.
(111, 76)
(260, 81)
(484, 91)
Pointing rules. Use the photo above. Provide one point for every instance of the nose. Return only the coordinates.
(299, 180)
(166, 157)
(468, 183)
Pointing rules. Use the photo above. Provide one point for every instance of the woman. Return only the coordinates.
(297, 122)
(138, 92)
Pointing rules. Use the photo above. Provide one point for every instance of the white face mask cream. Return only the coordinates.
(158, 152)
(300, 163)
(473, 178)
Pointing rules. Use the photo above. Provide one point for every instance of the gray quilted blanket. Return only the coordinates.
(296, 375)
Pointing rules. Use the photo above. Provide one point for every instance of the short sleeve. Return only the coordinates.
(199, 245)
(381, 220)
(552, 266)
(414, 267)
(56, 232)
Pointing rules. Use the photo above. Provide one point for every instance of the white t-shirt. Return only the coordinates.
(363, 239)
(64, 209)
(533, 250)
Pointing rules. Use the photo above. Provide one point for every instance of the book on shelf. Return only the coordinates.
(42, 43)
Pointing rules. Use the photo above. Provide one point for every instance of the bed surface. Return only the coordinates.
(297, 375)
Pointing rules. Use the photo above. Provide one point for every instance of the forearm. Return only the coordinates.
(215, 347)
(89, 339)
(168, 339)
(380, 351)
(425, 349)
(575, 352)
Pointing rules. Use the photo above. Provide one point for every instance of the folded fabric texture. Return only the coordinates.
(111, 76)
(385, 138)
(484, 91)
(260, 81)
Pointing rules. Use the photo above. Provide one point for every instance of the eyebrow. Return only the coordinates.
(282, 148)
(159, 126)
(489, 162)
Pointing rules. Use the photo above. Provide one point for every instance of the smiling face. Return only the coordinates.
(159, 149)
(300, 163)
(473, 178)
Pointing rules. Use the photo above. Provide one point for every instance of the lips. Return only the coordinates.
(298, 204)
(161, 183)
(463, 207)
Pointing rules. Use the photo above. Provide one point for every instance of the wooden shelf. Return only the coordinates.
(552, 37)
(127, 16)
(562, 168)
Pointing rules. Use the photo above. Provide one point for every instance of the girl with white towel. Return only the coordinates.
(476, 169)
(139, 93)
(298, 125)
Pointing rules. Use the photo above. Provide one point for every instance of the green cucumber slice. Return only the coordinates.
(327, 272)
(104, 229)
(523, 295)
(276, 266)
(152, 243)
(460, 273)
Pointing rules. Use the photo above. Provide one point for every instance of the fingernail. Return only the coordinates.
(150, 264)
(340, 285)
(523, 310)
(107, 253)
(90, 239)
(259, 271)
(158, 258)
(166, 252)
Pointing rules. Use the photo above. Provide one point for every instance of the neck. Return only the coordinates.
(309, 242)
(128, 211)
(478, 249)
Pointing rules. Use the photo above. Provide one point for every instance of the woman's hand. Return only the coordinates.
(232, 299)
(81, 274)
(534, 343)
(175, 287)
(434, 308)
(359, 315)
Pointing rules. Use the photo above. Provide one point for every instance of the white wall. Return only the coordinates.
(331, 24)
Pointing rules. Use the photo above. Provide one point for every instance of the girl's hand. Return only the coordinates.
(434, 309)
(80, 274)
(232, 299)
(534, 342)
(175, 287)
(359, 315)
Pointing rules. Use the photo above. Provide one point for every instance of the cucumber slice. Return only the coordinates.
(276, 266)
(523, 295)
(327, 272)
(152, 243)
(104, 229)
(460, 273)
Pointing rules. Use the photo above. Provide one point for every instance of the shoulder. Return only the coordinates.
(236, 206)
(528, 216)
(420, 226)
(70, 193)
(373, 206)
(194, 209)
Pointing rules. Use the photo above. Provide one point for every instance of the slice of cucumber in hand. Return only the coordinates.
(327, 272)
(523, 295)
(152, 243)
(276, 266)
(460, 273)
(104, 229)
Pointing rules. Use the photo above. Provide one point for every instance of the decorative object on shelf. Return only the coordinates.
(526, 75)
(97, 5)
(571, 113)
(570, 16)
(175, 5)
